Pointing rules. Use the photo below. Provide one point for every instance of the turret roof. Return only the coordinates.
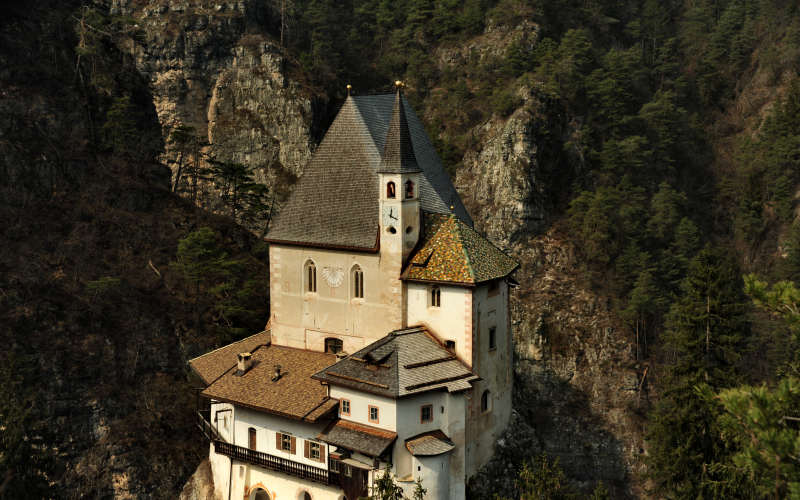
(450, 251)
(335, 201)
(398, 152)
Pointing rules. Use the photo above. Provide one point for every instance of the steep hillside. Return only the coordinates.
(97, 322)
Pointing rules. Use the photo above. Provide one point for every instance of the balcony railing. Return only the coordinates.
(271, 462)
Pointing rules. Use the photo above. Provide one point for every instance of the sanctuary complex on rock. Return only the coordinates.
(388, 346)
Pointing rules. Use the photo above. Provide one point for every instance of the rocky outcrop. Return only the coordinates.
(212, 65)
(577, 394)
(504, 183)
(201, 485)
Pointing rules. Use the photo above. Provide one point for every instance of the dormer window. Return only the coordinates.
(311, 277)
(390, 190)
(409, 189)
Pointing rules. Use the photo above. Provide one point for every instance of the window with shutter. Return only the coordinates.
(305, 448)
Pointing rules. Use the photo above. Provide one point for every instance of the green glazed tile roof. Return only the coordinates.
(452, 251)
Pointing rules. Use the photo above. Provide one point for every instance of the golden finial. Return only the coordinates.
(349, 88)
(398, 84)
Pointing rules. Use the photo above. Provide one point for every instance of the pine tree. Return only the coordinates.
(706, 331)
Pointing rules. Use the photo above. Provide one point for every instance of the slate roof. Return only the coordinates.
(398, 152)
(405, 362)
(294, 395)
(365, 439)
(335, 202)
(429, 444)
(212, 365)
(450, 251)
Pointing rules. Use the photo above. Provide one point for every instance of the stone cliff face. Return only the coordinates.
(212, 66)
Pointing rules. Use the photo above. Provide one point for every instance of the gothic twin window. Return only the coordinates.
(311, 277)
(358, 282)
(391, 189)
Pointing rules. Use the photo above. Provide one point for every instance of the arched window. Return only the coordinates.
(390, 190)
(486, 401)
(311, 276)
(304, 495)
(333, 345)
(357, 279)
(409, 189)
(260, 494)
(435, 296)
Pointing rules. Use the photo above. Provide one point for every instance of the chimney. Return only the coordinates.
(244, 363)
(277, 375)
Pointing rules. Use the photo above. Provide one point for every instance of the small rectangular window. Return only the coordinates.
(492, 338)
(450, 345)
(373, 414)
(426, 414)
(348, 471)
(494, 287)
(251, 432)
(334, 465)
(286, 442)
(314, 451)
(435, 296)
(344, 407)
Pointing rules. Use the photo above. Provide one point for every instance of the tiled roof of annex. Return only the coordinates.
(429, 444)
(335, 202)
(294, 395)
(211, 365)
(405, 362)
(451, 251)
(365, 439)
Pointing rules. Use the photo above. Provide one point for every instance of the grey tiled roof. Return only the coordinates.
(368, 440)
(429, 444)
(398, 153)
(335, 202)
(404, 362)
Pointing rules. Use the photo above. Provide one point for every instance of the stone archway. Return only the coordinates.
(259, 494)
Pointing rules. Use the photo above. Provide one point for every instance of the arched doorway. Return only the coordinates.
(259, 494)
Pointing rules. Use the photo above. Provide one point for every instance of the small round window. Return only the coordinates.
(409, 229)
(391, 230)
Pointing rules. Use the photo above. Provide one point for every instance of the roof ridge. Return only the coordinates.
(467, 257)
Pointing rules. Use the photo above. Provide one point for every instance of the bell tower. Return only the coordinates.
(399, 176)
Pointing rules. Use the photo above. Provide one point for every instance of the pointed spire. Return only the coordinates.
(398, 151)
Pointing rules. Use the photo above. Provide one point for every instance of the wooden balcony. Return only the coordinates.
(271, 462)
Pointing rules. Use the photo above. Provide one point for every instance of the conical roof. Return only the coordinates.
(398, 152)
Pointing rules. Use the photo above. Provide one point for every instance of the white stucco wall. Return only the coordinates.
(451, 321)
(248, 478)
(494, 367)
(302, 319)
(267, 426)
(359, 407)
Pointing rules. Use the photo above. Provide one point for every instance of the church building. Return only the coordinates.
(388, 345)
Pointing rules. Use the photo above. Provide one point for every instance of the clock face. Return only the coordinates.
(390, 216)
